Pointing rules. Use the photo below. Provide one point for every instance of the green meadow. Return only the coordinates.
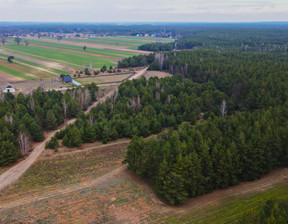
(68, 58)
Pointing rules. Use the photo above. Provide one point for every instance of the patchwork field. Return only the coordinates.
(49, 57)
(91, 185)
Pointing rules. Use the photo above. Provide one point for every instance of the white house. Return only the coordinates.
(8, 88)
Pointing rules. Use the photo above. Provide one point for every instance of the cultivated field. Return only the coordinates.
(91, 185)
(49, 57)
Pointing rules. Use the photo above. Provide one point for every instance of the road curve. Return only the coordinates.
(15, 172)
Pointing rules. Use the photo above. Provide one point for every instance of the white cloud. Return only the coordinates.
(147, 10)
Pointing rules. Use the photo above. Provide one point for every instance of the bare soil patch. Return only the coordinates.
(103, 79)
(28, 85)
(159, 74)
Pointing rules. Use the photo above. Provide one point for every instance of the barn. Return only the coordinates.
(67, 79)
(8, 88)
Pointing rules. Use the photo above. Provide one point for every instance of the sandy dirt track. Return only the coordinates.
(11, 175)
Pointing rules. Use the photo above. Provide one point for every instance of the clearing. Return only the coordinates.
(90, 184)
(159, 74)
(103, 79)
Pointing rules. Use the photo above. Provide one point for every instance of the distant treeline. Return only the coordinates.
(263, 36)
(182, 44)
(23, 118)
(155, 47)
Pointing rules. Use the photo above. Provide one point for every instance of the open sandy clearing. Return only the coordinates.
(118, 195)
(159, 74)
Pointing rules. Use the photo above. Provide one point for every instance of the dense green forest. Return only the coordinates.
(187, 43)
(213, 154)
(274, 211)
(226, 105)
(143, 107)
(23, 118)
(242, 146)
(243, 81)
(157, 47)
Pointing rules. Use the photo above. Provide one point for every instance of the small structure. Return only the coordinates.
(76, 83)
(159, 41)
(8, 88)
(67, 79)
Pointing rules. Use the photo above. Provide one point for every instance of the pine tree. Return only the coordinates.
(89, 134)
(8, 153)
(36, 132)
(51, 121)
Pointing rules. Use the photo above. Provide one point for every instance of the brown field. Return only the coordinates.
(27, 85)
(103, 79)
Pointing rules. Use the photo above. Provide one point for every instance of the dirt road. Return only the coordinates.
(11, 175)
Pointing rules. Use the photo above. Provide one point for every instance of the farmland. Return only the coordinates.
(88, 184)
(48, 57)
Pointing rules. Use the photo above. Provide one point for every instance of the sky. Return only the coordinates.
(143, 10)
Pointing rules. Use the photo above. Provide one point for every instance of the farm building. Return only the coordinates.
(67, 79)
(8, 88)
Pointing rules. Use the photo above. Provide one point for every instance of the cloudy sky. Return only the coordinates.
(144, 10)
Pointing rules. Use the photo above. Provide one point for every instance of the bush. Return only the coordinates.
(52, 144)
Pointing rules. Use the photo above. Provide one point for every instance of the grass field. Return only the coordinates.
(68, 58)
(87, 184)
(47, 57)
(67, 55)
(230, 210)
(128, 42)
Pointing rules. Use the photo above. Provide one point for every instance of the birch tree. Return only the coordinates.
(24, 142)
(223, 110)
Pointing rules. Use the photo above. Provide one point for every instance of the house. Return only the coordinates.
(8, 88)
(67, 79)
